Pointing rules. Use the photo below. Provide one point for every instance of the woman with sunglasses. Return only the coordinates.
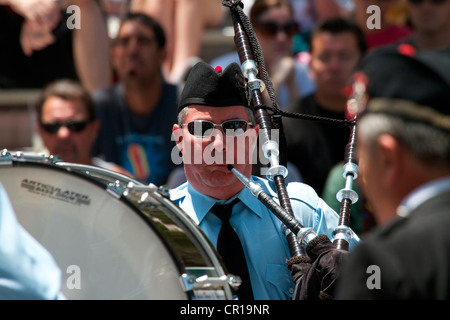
(431, 22)
(275, 28)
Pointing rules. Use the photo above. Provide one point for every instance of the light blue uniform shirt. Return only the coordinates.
(262, 234)
(27, 270)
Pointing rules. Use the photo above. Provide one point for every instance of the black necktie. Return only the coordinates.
(230, 248)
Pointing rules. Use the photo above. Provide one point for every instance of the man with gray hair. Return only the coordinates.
(216, 129)
(404, 156)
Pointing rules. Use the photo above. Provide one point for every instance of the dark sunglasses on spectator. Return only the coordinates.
(204, 128)
(270, 28)
(432, 1)
(73, 126)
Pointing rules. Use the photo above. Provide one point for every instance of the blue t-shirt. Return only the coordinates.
(140, 144)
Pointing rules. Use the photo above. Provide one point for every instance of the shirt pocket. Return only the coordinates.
(279, 276)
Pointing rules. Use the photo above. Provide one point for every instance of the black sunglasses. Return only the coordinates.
(204, 128)
(270, 28)
(432, 1)
(73, 126)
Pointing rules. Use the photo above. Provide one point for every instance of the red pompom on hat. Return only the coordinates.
(214, 88)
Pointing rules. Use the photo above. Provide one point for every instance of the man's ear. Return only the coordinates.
(96, 126)
(112, 57)
(178, 136)
(38, 129)
(257, 130)
(391, 158)
(162, 55)
(255, 134)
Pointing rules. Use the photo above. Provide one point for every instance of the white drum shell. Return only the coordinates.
(105, 246)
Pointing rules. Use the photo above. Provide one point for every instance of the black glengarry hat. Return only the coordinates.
(408, 83)
(208, 87)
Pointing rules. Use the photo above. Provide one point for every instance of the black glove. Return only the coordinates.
(316, 278)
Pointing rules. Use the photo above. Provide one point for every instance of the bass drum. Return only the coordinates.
(111, 236)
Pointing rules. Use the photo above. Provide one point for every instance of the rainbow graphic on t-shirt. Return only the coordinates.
(138, 159)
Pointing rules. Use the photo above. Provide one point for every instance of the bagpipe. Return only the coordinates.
(315, 259)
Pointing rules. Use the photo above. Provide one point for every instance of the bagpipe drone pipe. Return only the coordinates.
(316, 260)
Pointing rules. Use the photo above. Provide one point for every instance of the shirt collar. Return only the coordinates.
(421, 194)
(201, 204)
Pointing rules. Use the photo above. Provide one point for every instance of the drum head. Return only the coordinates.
(104, 246)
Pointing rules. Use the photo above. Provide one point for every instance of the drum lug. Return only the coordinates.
(164, 191)
(190, 282)
(116, 189)
(5, 157)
